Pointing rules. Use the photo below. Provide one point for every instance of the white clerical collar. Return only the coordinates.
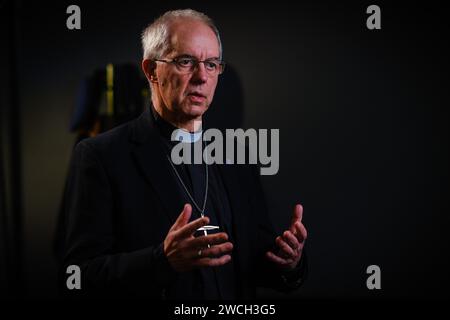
(185, 136)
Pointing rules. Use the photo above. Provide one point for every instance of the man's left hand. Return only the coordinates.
(290, 243)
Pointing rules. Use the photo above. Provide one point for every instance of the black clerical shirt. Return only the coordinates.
(210, 282)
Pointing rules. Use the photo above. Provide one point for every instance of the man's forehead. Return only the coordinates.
(193, 37)
(186, 24)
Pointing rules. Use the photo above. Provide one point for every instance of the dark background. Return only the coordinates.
(362, 116)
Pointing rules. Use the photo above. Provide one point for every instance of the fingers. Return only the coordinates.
(212, 262)
(189, 229)
(218, 250)
(297, 216)
(213, 251)
(278, 260)
(183, 218)
(204, 241)
(300, 231)
(211, 245)
(291, 240)
(286, 250)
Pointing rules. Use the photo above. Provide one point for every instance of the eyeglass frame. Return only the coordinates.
(174, 61)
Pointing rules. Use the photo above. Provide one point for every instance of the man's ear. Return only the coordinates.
(149, 68)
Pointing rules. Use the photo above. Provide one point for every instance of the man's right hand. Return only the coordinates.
(185, 252)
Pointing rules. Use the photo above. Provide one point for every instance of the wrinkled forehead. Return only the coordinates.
(194, 38)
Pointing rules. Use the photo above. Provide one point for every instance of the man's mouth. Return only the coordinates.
(196, 96)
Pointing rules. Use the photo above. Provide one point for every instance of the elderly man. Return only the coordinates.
(140, 226)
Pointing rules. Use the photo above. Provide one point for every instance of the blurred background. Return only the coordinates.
(363, 119)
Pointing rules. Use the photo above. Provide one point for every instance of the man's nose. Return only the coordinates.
(199, 75)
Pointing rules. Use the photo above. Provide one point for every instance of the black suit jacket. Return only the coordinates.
(122, 198)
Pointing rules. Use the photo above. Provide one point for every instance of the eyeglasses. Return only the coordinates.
(186, 65)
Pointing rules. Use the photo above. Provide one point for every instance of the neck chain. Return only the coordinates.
(202, 209)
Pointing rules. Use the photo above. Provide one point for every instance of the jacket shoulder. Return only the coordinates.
(109, 141)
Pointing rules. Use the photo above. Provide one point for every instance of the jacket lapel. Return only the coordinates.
(150, 157)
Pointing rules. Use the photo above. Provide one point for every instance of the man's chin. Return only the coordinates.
(196, 110)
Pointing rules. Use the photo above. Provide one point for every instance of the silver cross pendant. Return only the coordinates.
(207, 228)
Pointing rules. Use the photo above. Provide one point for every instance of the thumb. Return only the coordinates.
(183, 218)
(297, 215)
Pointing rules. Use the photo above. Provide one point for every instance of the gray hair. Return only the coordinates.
(155, 38)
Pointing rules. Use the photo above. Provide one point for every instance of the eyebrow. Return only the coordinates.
(185, 55)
